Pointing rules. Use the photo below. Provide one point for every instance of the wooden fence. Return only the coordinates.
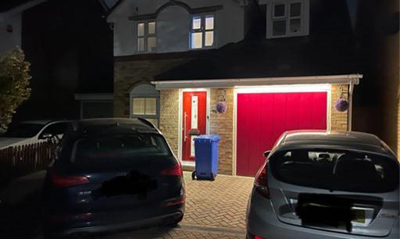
(22, 160)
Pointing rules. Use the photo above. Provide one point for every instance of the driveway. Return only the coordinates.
(213, 210)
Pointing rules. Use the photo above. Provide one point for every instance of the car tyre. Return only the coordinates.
(175, 222)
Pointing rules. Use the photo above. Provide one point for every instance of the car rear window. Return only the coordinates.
(100, 150)
(336, 170)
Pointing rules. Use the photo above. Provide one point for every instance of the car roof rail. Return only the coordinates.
(147, 122)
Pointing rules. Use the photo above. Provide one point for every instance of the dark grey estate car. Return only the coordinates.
(317, 185)
(112, 174)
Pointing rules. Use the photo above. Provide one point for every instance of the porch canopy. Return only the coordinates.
(351, 79)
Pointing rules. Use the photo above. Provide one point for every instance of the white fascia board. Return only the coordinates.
(231, 83)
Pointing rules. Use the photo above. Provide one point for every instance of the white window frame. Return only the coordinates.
(139, 92)
(146, 35)
(202, 30)
(304, 18)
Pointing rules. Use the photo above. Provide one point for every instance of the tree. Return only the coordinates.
(14, 84)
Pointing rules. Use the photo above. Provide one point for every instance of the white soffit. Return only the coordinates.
(353, 79)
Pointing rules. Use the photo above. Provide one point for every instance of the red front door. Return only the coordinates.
(194, 119)
(263, 117)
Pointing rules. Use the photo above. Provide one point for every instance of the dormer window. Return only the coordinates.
(288, 18)
(202, 31)
(146, 36)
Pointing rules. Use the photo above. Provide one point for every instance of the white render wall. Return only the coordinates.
(172, 30)
(173, 24)
(10, 39)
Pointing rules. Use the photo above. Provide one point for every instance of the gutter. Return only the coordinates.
(352, 79)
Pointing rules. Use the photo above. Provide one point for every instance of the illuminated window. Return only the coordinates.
(146, 36)
(288, 18)
(145, 103)
(202, 31)
(144, 106)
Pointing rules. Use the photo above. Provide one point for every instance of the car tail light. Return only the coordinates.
(257, 237)
(62, 181)
(261, 181)
(173, 171)
(174, 202)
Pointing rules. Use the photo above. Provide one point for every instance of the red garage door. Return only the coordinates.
(263, 117)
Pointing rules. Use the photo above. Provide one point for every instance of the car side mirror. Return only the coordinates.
(266, 153)
(46, 136)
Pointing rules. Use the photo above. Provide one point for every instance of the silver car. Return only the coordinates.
(318, 184)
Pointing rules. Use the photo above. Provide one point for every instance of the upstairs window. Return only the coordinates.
(202, 31)
(146, 36)
(288, 19)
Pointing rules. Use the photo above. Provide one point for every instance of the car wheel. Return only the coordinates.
(174, 222)
(194, 175)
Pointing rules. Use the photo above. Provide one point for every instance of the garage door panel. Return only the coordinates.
(294, 112)
(278, 113)
(266, 132)
(319, 111)
(263, 117)
(242, 134)
(253, 140)
(305, 116)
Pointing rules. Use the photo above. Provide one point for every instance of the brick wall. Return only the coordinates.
(222, 124)
(338, 119)
(129, 73)
(169, 117)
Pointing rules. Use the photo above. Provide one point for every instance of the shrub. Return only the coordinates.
(14, 84)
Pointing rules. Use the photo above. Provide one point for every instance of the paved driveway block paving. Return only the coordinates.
(174, 233)
(220, 203)
(213, 210)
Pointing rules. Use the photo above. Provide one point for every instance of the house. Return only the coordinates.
(377, 99)
(69, 46)
(245, 70)
(11, 22)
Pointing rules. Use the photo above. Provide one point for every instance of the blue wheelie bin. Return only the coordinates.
(206, 157)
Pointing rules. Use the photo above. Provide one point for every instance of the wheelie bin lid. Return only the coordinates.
(208, 137)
